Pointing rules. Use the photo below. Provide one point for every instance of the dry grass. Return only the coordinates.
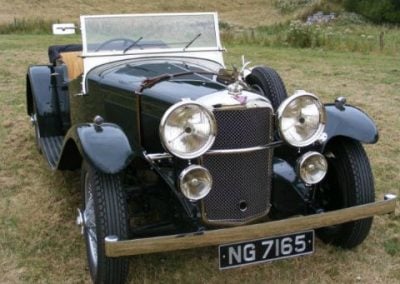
(230, 11)
(40, 243)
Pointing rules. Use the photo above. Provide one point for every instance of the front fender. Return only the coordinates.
(288, 191)
(351, 122)
(105, 147)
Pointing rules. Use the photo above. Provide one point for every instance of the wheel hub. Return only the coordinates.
(33, 120)
(80, 220)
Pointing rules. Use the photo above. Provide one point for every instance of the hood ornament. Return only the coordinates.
(235, 89)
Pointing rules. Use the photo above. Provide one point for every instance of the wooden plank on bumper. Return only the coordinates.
(242, 233)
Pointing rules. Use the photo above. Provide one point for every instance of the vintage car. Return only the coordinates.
(176, 151)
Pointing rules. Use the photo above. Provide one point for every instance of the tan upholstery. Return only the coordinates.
(74, 63)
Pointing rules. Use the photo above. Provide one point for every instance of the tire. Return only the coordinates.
(104, 213)
(268, 82)
(37, 129)
(349, 182)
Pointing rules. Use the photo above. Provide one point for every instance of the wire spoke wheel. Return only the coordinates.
(104, 214)
(90, 222)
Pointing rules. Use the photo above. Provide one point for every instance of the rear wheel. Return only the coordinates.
(268, 82)
(104, 213)
(349, 182)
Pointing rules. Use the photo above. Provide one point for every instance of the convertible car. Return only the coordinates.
(176, 151)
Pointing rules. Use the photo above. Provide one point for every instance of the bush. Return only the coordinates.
(377, 11)
(303, 35)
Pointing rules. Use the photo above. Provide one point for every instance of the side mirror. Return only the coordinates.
(63, 29)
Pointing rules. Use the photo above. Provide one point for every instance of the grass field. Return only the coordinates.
(39, 241)
(231, 11)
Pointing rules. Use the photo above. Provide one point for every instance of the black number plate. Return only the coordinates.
(263, 250)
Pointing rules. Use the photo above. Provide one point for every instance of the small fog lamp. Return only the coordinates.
(195, 182)
(312, 167)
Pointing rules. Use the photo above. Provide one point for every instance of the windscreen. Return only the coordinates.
(130, 33)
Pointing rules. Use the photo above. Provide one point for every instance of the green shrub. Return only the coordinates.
(303, 35)
(377, 11)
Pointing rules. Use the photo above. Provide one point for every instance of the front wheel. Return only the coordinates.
(349, 182)
(268, 82)
(104, 213)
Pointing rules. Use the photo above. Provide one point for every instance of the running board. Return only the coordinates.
(51, 148)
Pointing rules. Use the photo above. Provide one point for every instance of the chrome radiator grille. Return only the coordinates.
(241, 181)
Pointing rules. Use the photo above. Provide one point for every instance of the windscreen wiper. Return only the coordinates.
(192, 41)
(132, 44)
(150, 82)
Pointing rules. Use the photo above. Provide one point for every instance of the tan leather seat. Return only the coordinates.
(74, 63)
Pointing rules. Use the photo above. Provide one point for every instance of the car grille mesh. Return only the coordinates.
(241, 181)
(242, 128)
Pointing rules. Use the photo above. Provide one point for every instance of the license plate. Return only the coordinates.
(264, 250)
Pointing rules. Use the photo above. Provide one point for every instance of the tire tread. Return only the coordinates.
(270, 82)
(358, 189)
(111, 219)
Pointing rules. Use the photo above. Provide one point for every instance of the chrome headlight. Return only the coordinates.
(301, 119)
(195, 182)
(312, 167)
(188, 130)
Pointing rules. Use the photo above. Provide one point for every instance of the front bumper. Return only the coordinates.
(115, 248)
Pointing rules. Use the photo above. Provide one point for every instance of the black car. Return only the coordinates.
(176, 152)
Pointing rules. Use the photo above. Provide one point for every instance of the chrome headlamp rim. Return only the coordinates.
(186, 171)
(322, 118)
(212, 136)
(301, 161)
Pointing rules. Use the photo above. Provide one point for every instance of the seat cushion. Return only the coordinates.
(55, 51)
(74, 63)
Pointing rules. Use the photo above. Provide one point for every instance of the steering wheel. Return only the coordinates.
(125, 41)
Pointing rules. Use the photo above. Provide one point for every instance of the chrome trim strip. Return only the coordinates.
(161, 156)
(157, 156)
(245, 150)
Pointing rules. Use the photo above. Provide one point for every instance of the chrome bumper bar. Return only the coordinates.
(115, 248)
